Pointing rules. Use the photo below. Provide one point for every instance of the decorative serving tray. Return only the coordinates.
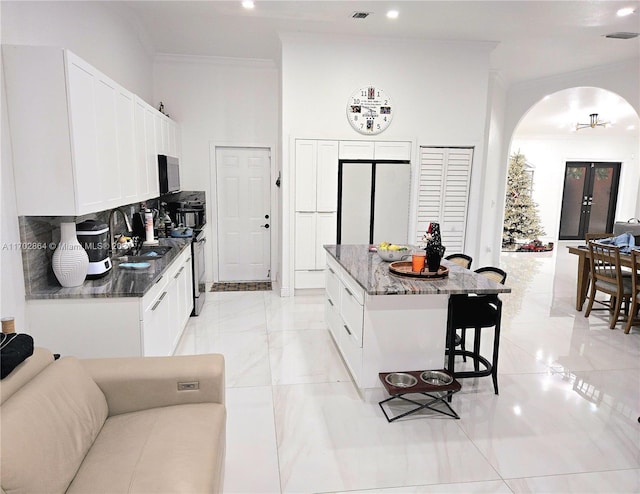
(404, 269)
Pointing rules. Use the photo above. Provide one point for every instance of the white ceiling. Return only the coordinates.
(535, 38)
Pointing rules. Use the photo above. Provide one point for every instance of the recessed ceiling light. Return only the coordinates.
(248, 4)
(392, 14)
(631, 127)
(626, 11)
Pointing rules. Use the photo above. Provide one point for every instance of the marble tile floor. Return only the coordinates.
(566, 419)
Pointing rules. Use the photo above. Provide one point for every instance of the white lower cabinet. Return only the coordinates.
(383, 333)
(118, 327)
(344, 317)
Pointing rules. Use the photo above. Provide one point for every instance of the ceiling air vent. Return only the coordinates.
(622, 35)
(361, 15)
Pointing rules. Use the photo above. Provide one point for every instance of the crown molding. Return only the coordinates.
(256, 63)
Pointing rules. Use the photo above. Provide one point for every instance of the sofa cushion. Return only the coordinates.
(48, 427)
(168, 449)
(24, 372)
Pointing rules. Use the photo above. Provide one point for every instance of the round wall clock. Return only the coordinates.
(369, 110)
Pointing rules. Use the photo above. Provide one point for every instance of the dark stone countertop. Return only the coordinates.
(118, 282)
(372, 274)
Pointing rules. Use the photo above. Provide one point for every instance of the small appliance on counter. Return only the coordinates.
(187, 208)
(94, 237)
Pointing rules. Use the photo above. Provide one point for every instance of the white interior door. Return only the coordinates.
(244, 213)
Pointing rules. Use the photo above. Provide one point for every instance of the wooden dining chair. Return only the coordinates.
(635, 289)
(606, 277)
(461, 260)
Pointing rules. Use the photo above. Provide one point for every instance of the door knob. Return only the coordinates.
(265, 226)
(266, 216)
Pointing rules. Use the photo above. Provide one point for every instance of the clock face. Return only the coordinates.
(369, 110)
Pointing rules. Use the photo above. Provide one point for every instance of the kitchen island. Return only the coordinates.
(384, 323)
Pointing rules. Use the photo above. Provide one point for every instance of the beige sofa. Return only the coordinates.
(134, 425)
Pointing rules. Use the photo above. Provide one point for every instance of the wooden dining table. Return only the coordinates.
(584, 257)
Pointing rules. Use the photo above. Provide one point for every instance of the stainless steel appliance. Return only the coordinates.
(198, 264)
(168, 173)
(94, 237)
(188, 209)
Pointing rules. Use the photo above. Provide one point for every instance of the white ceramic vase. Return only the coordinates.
(70, 261)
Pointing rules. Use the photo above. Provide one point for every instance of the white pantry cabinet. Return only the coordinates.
(150, 325)
(316, 205)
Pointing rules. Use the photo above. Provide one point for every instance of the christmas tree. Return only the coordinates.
(521, 220)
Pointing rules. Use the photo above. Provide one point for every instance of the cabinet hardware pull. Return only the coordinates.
(188, 259)
(348, 291)
(158, 302)
(332, 271)
(159, 279)
(345, 327)
(179, 273)
(329, 300)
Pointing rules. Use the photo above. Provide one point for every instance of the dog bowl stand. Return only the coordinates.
(437, 394)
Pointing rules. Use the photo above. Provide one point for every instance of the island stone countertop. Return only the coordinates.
(119, 282)
(372, 274)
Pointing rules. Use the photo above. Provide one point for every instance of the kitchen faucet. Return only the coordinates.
(112, 215)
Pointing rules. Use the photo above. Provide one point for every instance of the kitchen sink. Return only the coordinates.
(146, 253)
(154, 250)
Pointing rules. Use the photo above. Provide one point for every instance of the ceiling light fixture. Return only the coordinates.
(625, 12)
(248, 4)
(593, 122)
(392, 14)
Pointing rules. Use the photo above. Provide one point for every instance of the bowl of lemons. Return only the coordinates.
(392, 252)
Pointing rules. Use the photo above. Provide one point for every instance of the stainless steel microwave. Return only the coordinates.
(168, 173)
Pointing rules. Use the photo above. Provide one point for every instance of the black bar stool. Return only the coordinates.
(478, 312)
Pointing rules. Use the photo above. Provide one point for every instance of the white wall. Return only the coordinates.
(439, 92)
(549, 155)
(220, 101)
(98, 33)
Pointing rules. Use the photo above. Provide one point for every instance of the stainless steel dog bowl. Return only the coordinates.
(436, 378)
(401, 380)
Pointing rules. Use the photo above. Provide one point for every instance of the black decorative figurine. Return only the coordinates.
(434, 249)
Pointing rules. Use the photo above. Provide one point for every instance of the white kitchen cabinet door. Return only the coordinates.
(327, 176)
(326, 227)
(155, 326)
(129, 170)
(107, 142)
(172, 138)
(391, 150)
(146, 155)
(356, 150)
(305, 251)
(84, 130)
(306, 169)
(152, 151)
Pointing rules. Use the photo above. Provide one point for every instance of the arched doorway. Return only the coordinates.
(547, 136)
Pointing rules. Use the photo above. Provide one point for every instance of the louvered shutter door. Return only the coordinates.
(444, 193)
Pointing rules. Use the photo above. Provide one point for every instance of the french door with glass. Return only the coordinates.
(589, 198)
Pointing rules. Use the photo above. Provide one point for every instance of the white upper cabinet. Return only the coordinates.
(379, 150)
(327, 177)
(389, 150)
(356, 150)
(316, 175)
(146, 154)
(76, 135)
